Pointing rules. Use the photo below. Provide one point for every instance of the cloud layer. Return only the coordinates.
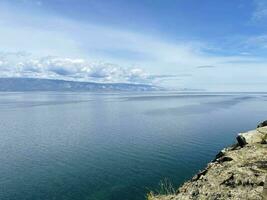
(87, 49)
(22, 64)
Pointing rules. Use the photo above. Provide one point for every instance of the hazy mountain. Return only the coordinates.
(32, 84)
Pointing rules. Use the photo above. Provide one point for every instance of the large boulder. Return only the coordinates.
(262, 124)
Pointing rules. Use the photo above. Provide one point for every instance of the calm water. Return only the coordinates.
(84, 146)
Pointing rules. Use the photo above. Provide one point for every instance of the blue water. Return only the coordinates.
(95, 146)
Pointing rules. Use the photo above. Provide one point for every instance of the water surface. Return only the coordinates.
(95, 146)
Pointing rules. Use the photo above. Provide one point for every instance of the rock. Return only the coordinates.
(195, 192)
(252, 137)
(263, 131)
(219, 155)
(199, 174)
(262, 124)
(225, 159)
(262, 164)
(241, 140)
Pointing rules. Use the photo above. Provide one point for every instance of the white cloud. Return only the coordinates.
(53, 35)
(111, 54)
(13, 65)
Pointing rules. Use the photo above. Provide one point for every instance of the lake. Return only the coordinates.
(114, 146)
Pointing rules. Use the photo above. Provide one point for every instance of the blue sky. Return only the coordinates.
(214, 45)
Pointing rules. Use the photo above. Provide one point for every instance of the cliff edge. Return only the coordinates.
(238, 172)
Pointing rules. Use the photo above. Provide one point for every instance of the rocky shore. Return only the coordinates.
(237, 172)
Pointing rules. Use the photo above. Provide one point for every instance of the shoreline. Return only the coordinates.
(237, 172)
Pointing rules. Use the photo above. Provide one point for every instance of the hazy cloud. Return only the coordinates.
(205, 66)
(257, 41)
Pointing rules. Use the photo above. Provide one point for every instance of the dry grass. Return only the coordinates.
(165, 188)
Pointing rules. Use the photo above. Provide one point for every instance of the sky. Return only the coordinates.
(211, 45)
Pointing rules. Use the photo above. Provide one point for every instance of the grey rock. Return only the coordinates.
(262, 124)
(241, 140)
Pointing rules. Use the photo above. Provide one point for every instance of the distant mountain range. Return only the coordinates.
(33, 84)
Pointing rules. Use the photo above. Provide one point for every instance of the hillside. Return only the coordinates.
(237, 173)
(32, 84)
